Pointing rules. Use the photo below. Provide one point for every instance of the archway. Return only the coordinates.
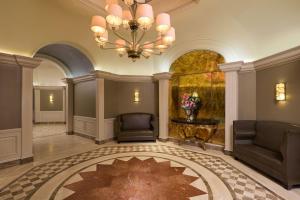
(53, 93)
(198, 71)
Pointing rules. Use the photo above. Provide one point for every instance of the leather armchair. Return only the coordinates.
(271, 147)
(132, 127)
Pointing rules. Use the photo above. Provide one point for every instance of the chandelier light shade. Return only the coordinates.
(109, 2)
(98, 24)
(115, 14)
(136, 18)
(163, 22)
(145, 15)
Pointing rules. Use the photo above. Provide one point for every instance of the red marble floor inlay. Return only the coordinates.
(134, 180)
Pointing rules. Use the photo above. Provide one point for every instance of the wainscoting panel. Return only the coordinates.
(10, 145)
(85, 125)
(109, 128)
(49, 116)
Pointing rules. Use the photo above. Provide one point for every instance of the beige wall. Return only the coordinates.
(247, 96)
(85, 99)
(267, 107)
(119, 98)
(148, 97)
(10, 97)
(46, 105)
(111, 99)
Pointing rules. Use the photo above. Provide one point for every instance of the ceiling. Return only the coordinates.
(92, 6)
(240, 30)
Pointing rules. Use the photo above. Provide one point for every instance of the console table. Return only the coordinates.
(193, 130)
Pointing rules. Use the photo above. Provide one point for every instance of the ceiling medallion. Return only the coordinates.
(137, 18)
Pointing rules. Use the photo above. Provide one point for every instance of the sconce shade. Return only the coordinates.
(136, 96)
(280, 91)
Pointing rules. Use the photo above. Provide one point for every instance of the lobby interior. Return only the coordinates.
(214, 114)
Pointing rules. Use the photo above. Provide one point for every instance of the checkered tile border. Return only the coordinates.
(241, 186)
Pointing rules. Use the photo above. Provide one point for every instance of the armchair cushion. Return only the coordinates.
(136, 121)
(270, 134)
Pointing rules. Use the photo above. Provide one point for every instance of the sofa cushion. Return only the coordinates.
(269, 134)
(136, 121)
(259, 155)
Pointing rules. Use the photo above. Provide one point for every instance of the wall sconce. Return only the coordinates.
(51, 98)
(136, 96)
(280, 92)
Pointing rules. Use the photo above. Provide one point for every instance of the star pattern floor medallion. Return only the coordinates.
(134, 179)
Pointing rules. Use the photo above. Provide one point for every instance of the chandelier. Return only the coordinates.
(137, 18)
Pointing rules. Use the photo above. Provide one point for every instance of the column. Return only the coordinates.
(99, 109)
(27, 64)
(69, 105)
(231, 100)
(163, 79)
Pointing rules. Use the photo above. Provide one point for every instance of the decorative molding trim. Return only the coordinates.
(21, 61)
(122, 78)
(104, 141)
(68, 81)
(163, 76)
(84, 78)
(229, 67)
(10, 145)
(284, 57)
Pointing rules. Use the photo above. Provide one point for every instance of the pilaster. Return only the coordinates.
(163, 79)
(231, 100)
(100, 123)
(69, 104)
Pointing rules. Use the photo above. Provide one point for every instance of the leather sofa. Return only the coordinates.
(131, 127)
(271, 147)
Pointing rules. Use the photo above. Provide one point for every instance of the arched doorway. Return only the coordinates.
(198, 71)
(54, 96)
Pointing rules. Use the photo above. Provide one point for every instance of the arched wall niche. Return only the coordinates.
(198, 71)
(77, 62)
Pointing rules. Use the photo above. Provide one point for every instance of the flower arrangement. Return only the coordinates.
(191, 104)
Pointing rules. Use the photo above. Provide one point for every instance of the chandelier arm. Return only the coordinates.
(108, 48)
(112, 43)
(120, 36)
(151, 42)
(142, 36)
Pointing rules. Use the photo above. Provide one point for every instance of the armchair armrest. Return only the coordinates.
(154, 123)
(290, 149)
(244, 130)
(117, 126)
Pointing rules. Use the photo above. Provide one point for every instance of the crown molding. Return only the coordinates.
(230, 67)
(40, 87)
(163, 76)
(21, 61)
(122, 78)
(79, 79)
(247, 67)
(284, 57)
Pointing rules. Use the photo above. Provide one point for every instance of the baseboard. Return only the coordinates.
(228, 153)
(70, 133)
(104, 141)
(82, 135)
(16, 162)
(163, 140)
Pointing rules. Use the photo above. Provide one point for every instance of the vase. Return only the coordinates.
(190, 115)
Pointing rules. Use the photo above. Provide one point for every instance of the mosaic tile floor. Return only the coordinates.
(221, 180)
